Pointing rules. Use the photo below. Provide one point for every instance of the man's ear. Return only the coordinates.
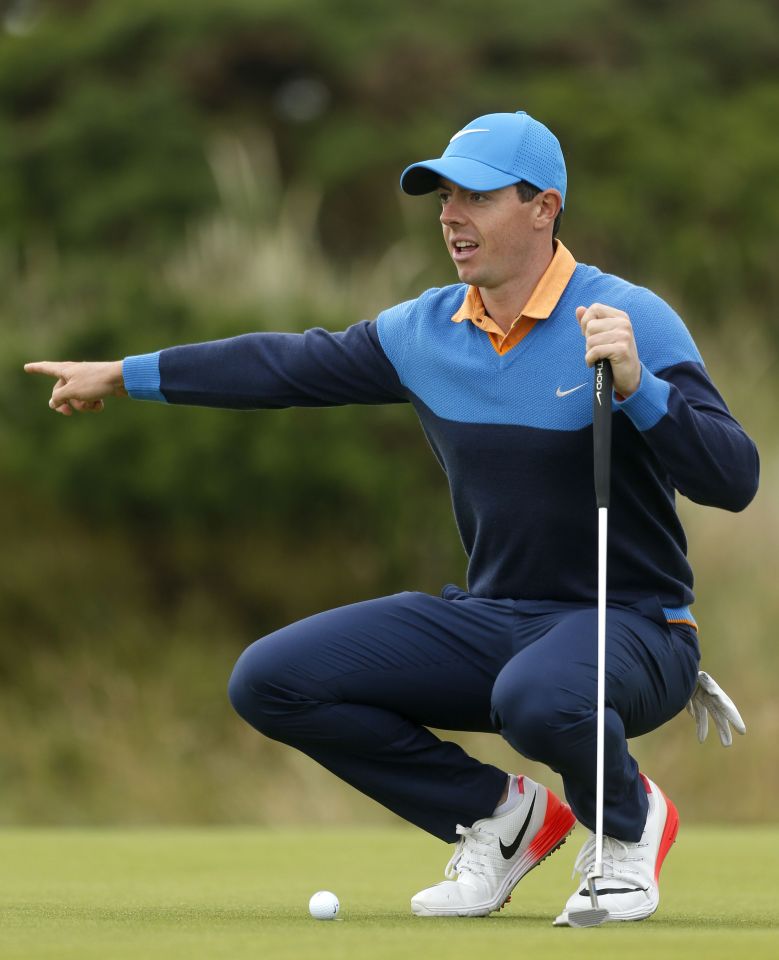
(550, 203)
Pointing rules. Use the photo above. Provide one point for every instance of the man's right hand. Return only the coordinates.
(81, 386)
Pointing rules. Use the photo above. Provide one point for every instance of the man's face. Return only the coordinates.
(488, 235)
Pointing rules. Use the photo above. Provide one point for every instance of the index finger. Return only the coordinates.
(601, 310)
(597, 311)
(45, 367)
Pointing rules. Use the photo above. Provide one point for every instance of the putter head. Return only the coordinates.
(588, 917)
(592, 916)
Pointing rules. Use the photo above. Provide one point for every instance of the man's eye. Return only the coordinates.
(443, 197)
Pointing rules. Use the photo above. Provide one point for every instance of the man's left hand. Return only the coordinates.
(709, 699)
(609, 336)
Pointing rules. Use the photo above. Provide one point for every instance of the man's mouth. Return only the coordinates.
(463, 249)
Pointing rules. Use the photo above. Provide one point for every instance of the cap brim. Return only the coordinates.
(470, 174)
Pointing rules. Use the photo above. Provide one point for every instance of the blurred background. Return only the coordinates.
(182, 170)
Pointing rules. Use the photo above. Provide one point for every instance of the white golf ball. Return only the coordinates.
(324, 905)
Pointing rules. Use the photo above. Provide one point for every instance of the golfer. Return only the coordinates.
(499, 370)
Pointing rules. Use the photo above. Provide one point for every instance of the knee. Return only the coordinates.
(256, 692)
(534, 715)
(239, 689)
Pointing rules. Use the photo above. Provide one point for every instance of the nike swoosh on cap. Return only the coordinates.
(509, 851)
(464, 133)
(564, 393)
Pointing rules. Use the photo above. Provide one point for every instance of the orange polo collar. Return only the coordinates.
(542, 302)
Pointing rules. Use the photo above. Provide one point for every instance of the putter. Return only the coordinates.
(594, 915)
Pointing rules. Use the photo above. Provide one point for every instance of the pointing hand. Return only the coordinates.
(81, 386)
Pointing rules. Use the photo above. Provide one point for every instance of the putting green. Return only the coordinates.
(243, 893)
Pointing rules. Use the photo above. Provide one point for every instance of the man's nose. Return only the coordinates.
(451, 213)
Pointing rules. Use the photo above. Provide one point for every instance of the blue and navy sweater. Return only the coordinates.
(511, 432)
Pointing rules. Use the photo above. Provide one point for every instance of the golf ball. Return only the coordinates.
(323, 905)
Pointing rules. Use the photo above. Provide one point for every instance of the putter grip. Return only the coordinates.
(601, 431)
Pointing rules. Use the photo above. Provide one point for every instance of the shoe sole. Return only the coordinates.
(558, 825)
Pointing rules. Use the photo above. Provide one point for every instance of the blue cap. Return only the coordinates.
(494, 151)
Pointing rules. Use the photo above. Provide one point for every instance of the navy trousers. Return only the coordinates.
(356, 689)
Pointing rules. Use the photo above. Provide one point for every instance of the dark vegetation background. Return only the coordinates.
(185, 170)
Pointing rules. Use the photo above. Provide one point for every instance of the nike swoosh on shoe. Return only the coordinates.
(586, 893)
(509, 851)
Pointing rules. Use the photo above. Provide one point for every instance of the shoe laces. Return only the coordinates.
(618, 859)
(471, 853)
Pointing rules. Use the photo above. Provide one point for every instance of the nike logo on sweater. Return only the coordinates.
(508, 852)
(564, 393)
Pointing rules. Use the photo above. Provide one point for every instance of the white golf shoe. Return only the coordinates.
(493, 855)
(629, 888)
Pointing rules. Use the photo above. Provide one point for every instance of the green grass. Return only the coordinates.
(235, 893)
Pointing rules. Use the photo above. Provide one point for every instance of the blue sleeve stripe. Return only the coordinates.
(649, 404)
(680, 615)
(141, 375)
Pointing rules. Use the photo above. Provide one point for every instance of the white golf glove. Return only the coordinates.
(709, 698)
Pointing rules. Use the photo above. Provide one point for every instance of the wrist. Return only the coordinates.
(116, 376)
(629, 387)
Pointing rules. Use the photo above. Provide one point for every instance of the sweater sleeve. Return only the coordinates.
(682, 417)
(270, 370)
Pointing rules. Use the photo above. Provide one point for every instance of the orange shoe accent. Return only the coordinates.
(558, 823)
(670, 830)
